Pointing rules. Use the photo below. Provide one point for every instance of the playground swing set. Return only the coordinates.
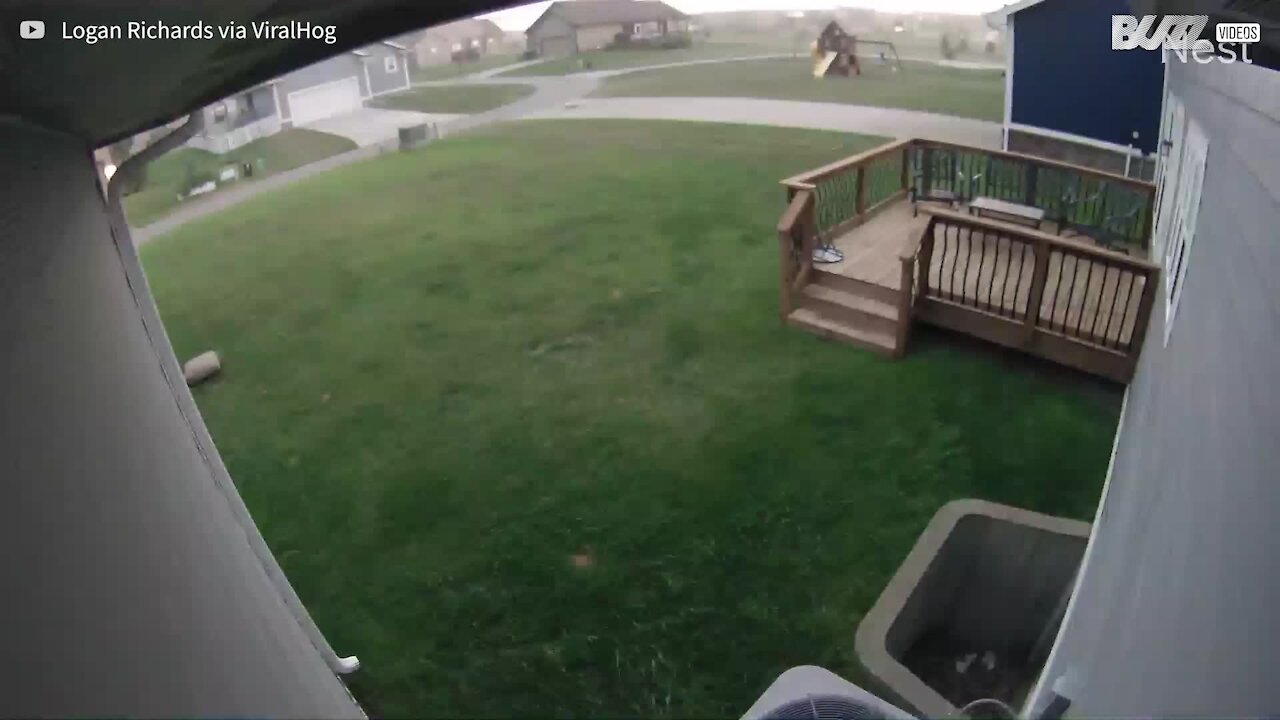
(835, 52)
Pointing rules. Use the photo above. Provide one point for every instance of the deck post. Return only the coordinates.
(1142, 320)
(1033, 176)
(1035, 296)
(860, 205)
(904, 182)
(925, 258)
(926, 171)
(1147, 220)
(905, 301)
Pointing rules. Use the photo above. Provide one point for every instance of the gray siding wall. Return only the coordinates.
(335, 68)
(1178, 612)
(551, 26)
(260, 104)
(131, 586)
(380, 80)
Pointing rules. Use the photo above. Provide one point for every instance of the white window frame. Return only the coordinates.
(389, 64)
(1184, 214)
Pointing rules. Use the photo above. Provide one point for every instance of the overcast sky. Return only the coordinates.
(519, 18)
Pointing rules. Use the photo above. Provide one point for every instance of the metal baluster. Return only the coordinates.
(1084, 301)
(1057, 287)
(1017, 286)
(955, 261)
(1102, 294)
(1124, 313)
(1071, 291)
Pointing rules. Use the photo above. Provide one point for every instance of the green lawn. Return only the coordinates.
(517, 416)
(618, 59)
(918, 86)
(464, 99)
(452, 70)
(283, 151)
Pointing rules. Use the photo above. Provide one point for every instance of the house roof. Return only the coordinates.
(1001, 16)
(467, 29)
(583, 13)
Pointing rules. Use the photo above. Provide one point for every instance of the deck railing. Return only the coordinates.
(1066, 300)
(1112, 209)
(1073, 303)
(848, 191)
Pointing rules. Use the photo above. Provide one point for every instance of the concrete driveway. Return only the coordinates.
(372, 126)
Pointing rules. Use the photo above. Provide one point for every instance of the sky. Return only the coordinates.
(519, 18)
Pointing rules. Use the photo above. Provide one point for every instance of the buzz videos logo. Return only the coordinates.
(1181, 35)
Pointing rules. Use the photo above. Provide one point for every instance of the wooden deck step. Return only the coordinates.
(857, 287)
(823, 326)
(851, 309)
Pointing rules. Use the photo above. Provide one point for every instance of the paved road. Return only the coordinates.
(564, 96)
(786, 113)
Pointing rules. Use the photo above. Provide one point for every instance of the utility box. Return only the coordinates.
(973, 611)
(415, 135)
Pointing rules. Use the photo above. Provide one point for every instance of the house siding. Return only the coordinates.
(598, 36)
(424, 56)
(380, 80)
(135, 536)
(1176, 614)
(254, 105)
(335, 68)
(550, 28)
(1062, 50)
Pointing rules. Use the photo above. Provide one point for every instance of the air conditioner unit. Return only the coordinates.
(812, 693)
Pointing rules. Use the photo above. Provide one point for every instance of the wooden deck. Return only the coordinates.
(995, 271)
(1066, 299)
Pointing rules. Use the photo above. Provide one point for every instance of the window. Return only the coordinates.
(1182, 220)
(389, 63)
(219, 112)
(457, 47)
(475, 43)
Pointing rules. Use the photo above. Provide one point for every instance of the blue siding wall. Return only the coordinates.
(1066, 77)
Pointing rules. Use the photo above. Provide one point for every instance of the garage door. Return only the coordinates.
(322, 101)
(557, 46)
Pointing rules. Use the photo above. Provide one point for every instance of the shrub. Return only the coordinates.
(677, 40)
(194, 176)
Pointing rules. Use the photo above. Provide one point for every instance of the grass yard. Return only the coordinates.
(918, 86)
(619, 59)
(283, 151)
(464, 99)
(453, 70)
(518, 418)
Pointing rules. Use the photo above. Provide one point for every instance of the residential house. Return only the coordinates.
(568, 28)
(1174, 611)
(444, 43)
(337, 85)
(1068, 95)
